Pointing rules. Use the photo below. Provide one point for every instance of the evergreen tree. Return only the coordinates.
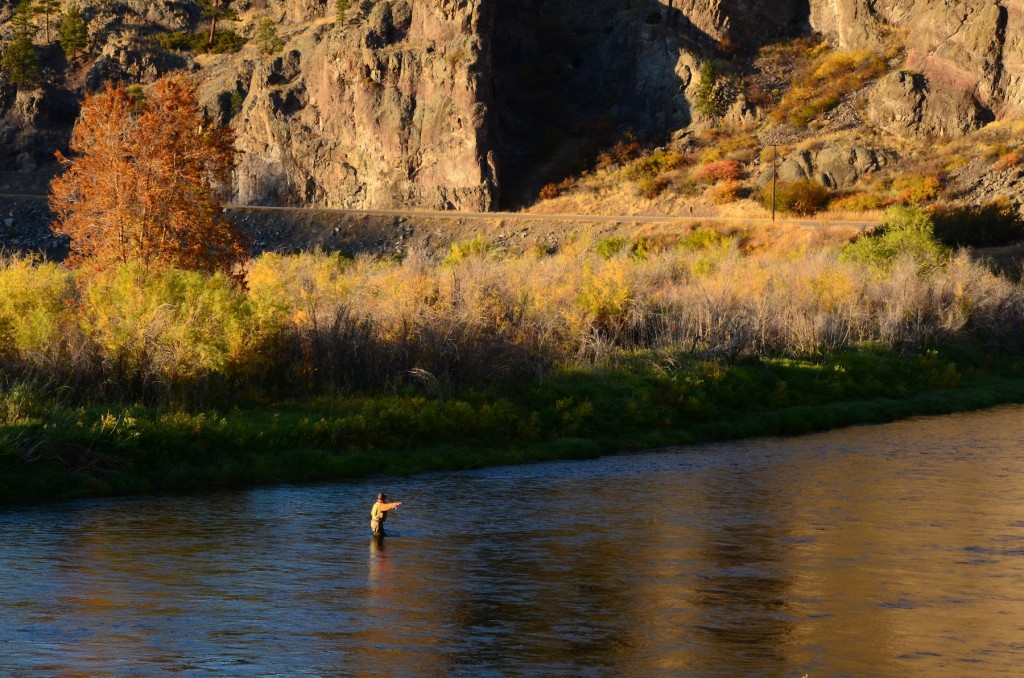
(341, 6)
(216, 10)
(706, 96)
(19, 59)
(74, 34)
(46, 9)
(267, 39)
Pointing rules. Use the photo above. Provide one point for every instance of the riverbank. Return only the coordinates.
(647, 400)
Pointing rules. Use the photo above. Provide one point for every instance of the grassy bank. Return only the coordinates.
(133, 380)
(646, 400)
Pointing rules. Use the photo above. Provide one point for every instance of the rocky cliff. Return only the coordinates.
(452, 104)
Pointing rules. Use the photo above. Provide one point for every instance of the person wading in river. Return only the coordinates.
(379, 513)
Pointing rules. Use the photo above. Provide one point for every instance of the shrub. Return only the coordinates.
(609, 247)
(722, 170)
(461, 251)
(860, 202)
(915, 189)
(725, 192)
(992, 225)
(625, 149)
(654, 164)
(224, 42)
(702, 238)
(804, 197)
(652, 187)
(1014, 158)
(905, 232)
(823, 83)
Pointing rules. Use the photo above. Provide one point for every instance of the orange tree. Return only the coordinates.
(143, 185)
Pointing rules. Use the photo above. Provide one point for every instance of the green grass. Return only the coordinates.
(647, 400)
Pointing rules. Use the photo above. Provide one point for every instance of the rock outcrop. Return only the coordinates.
(905, 104)
(837, 167)
(384, 112)
(973, 46)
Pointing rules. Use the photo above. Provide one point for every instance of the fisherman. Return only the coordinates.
(379, 513)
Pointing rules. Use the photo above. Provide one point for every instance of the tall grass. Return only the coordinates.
(316, 323)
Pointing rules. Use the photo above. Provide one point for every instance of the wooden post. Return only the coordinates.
(775, 152)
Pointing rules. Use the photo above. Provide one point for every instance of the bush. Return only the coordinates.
(702, 238)
(804, 197)
(905, 232)
(722, 170)
(725, 192)
(992, 225)
(609, 247)
(916, 189)
(224, 42)
(654, 164)
(860, 202)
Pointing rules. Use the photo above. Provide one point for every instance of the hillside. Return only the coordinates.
(620, 106)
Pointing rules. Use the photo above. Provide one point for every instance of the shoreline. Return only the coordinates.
(145, 452)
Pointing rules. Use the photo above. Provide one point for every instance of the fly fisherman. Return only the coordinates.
(379, 513)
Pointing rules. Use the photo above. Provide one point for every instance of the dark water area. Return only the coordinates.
(893, 550)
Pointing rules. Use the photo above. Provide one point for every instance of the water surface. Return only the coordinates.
(890, 550)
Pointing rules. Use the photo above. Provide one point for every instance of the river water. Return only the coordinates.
(893, 550)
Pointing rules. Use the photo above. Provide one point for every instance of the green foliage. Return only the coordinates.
(267, 40)
(74, 33)
(905, 232)
(703, 238)
(609, 247)
(995, 224)
(178, 324)
(706, 100)
(19, 60)
(461, 251)
(236, 103)
(803, 197)
(341, 7)
(32, 296)
(224, 42)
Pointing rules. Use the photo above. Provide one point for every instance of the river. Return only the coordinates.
(894, 550)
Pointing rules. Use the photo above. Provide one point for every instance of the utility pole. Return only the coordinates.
(775, 154)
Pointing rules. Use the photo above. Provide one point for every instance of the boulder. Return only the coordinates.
(905, 105)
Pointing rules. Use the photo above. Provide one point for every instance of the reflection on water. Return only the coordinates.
(890, 550)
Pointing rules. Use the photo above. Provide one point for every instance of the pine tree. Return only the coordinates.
(267, 39)
(46, 9)
(74, 34)
(216, 10)
(20, 61)
(341, 6)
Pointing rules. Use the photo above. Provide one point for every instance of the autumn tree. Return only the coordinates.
(74, 34)
(19, 60)
(143, 185)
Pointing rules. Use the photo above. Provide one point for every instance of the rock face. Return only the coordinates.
(387, 112)
(447, 103)
(745, 23)
(974, 46)
(904, 104)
